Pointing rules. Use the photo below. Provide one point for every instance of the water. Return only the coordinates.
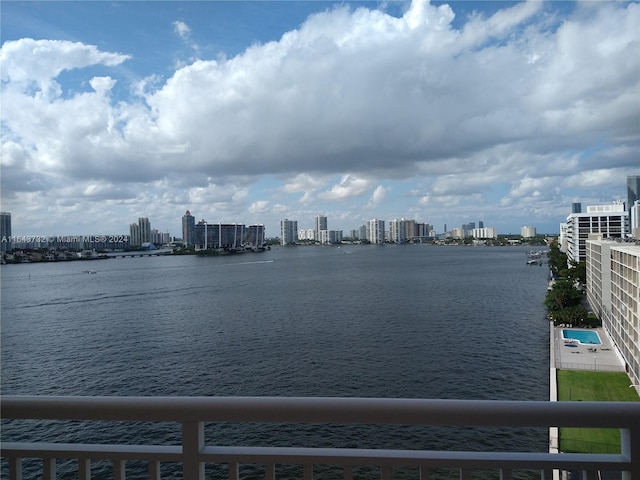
(411, 321)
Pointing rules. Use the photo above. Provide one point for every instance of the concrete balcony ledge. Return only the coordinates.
(193, 412)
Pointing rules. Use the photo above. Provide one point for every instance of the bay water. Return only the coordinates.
(407, 321)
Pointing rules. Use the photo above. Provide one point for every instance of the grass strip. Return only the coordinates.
(583, 385)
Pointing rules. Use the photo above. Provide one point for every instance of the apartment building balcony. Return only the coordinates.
(195, 414)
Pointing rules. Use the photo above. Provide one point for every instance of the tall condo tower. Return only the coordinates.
(321, 225)
(633, 195)
(188, 228)
(288, 232)
(145, 230)
(5, 231)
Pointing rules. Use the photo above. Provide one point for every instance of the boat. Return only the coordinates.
(89, 271)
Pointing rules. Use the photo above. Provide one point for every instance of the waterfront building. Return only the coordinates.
(308, 234)
(633, 195)
(5, 231)
(134, 234)
(159, 238)
(288, 232)
(398, 230)
(322, 237)
(145, 230)
(613, 292)
(458, 232)
(321, 224)
(410, 229)
(254, 235)
(484, 233)
(528, 232)
(335, 236)
(611, 221)
(468, 229)
(635, 219)
(375, 231)
(188, 228)
(226, 236)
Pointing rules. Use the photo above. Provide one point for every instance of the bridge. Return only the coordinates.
(140, 253)
(193, 453)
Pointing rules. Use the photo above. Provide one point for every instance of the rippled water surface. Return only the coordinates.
(395, 321)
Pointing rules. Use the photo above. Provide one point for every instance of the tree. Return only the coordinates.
(562, 295)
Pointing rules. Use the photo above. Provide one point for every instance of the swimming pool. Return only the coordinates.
(589, 337)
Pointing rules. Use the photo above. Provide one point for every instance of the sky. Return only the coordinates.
(257, 111)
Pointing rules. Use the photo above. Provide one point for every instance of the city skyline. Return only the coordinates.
(255, 112)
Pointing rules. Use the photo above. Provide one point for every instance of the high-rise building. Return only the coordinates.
(484, 233)
(134, 233)
(613, 281)
(225, 236)
(188, 228)
(145, 230)
(375, 231)
(397, 230)
(321, 224)
(633, 195)
(610, 221)
(288, 231)
(254, 236)
(576, 207)
(5, 231)
(635, 219)
(528, 232)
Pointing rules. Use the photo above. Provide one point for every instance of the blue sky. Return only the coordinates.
(252, 112)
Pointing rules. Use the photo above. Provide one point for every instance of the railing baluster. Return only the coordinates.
(234, 471)
(465, 474)
(629, 443)
(270, 471)
(119, 470)
(424, 473)
(385, 473)
(348, 472)
(506, 474)
(15, 468)
(308, 472)
(154, 470)
(84, 469)
(48, 469)
(192, 444)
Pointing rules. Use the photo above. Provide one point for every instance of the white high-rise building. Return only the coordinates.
(484, 233)
(528, 232)
(375, 231)
(288, 232)
(613, 292)
(397, 230)
(321, 224)
(610, 221)
(635, 219)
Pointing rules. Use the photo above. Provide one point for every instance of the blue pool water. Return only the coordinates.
(583, 336)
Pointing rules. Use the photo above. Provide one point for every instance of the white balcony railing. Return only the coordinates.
(193, 412)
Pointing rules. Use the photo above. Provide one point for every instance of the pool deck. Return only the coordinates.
(586, 357)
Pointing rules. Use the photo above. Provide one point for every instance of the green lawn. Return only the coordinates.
(577, 385)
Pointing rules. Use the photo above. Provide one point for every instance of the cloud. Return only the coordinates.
(181, 29)
(349, 186)
(506, 106)
(378, 197)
